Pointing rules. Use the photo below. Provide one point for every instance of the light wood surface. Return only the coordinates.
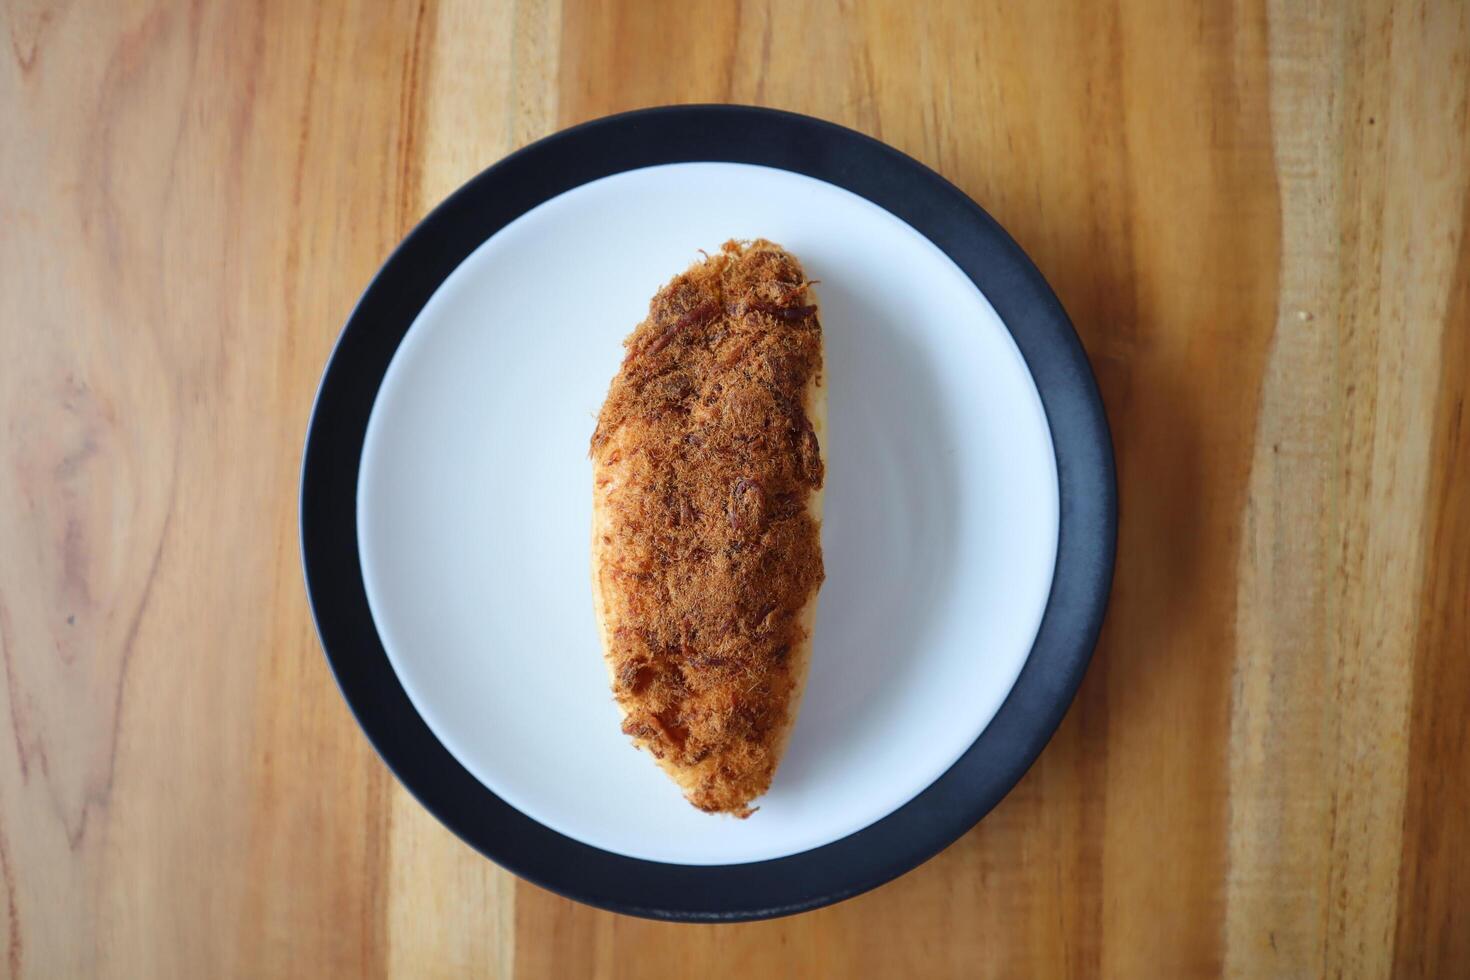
(1256, 214)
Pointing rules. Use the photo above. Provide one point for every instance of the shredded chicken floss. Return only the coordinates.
(711, 553)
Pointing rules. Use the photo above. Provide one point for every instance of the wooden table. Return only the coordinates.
(1257, 215)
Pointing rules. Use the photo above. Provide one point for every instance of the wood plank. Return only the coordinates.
(1330, 564)
(486, 91)
(1432, 937)
(193, 197)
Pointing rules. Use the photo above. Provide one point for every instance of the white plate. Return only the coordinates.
(474, 510)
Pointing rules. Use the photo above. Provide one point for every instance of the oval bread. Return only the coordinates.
(707, 507)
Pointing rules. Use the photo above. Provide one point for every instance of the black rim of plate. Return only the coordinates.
(1085, 550)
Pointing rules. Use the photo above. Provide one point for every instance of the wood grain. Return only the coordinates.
(1257, 215)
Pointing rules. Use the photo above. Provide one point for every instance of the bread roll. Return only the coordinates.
(707, 508)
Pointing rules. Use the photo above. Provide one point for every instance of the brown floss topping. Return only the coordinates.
(710, 545)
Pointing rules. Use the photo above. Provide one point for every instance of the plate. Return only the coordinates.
(446, 503)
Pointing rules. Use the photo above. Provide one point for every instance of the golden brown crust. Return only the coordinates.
(707, 556)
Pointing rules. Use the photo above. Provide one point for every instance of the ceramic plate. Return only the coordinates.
(446, 505)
